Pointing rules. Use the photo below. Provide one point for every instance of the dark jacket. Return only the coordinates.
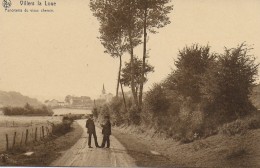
(106, 128)
(91, 126)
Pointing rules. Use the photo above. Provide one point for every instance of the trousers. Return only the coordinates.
(95, 138)
(105, 141)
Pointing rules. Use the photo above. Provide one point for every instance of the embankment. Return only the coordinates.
(150, 149)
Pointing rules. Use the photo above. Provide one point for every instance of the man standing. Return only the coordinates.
(106, 131)
(91, 131)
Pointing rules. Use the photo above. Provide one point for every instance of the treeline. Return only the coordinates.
(203, 92)
(28, 110)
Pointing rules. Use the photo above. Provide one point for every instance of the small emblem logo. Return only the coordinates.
(7, 4)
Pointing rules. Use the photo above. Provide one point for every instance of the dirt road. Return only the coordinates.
(81, 155)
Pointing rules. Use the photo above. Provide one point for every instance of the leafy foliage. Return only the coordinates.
(231, 80)
(138, 79)
(191, 64)
(156, 101)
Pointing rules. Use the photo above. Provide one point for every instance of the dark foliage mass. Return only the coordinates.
(204, 90)
(234, 78)
(213, 89)
(202, 95)
(191, 64)
(28, 110)
(64, 127)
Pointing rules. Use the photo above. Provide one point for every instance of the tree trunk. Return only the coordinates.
(130, 22)
(119, 74)
(132, 69)
(123, 94)
(144, 57)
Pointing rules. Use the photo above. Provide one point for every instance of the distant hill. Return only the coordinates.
(16, 99)
(256, 96)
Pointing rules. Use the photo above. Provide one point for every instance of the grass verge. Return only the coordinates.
(215, 151)
(141, 151)
(44, 152)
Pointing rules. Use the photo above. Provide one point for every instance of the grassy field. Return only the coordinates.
(20, 121)
(10, 125)
(45, 153)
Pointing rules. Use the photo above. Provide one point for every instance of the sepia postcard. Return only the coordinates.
(129, 83)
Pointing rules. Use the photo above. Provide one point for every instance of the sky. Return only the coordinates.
(51, 55)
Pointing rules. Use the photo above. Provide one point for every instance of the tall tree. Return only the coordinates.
(153, 15)
(111, 33)
(112, 40)
(134, 19)
(120, 15)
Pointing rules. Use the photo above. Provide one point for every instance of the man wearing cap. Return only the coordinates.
(91, 131)
(106, 131)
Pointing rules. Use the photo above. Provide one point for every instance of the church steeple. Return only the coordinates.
(104, 90)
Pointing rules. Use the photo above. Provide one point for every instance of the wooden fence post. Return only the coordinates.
(26, 136)
(40, 133)
(47, 129)
(35, 135)
(31, 133)
(14, 139)
(7, 142)
(43, 132)
(21, 142)
(52, 129)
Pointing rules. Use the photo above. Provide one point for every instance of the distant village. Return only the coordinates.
(81, 102)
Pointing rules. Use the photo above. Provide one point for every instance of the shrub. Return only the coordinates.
(134, 115)
(118, 113)
(116, 110)
(62, 128)
(241, 126)
(228, 83)
(156, 105)
(156, 101)
(236, 127)
(73, 117)
(253, 122)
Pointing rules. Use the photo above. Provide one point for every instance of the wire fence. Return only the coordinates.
(22, 131)
(24, 136)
